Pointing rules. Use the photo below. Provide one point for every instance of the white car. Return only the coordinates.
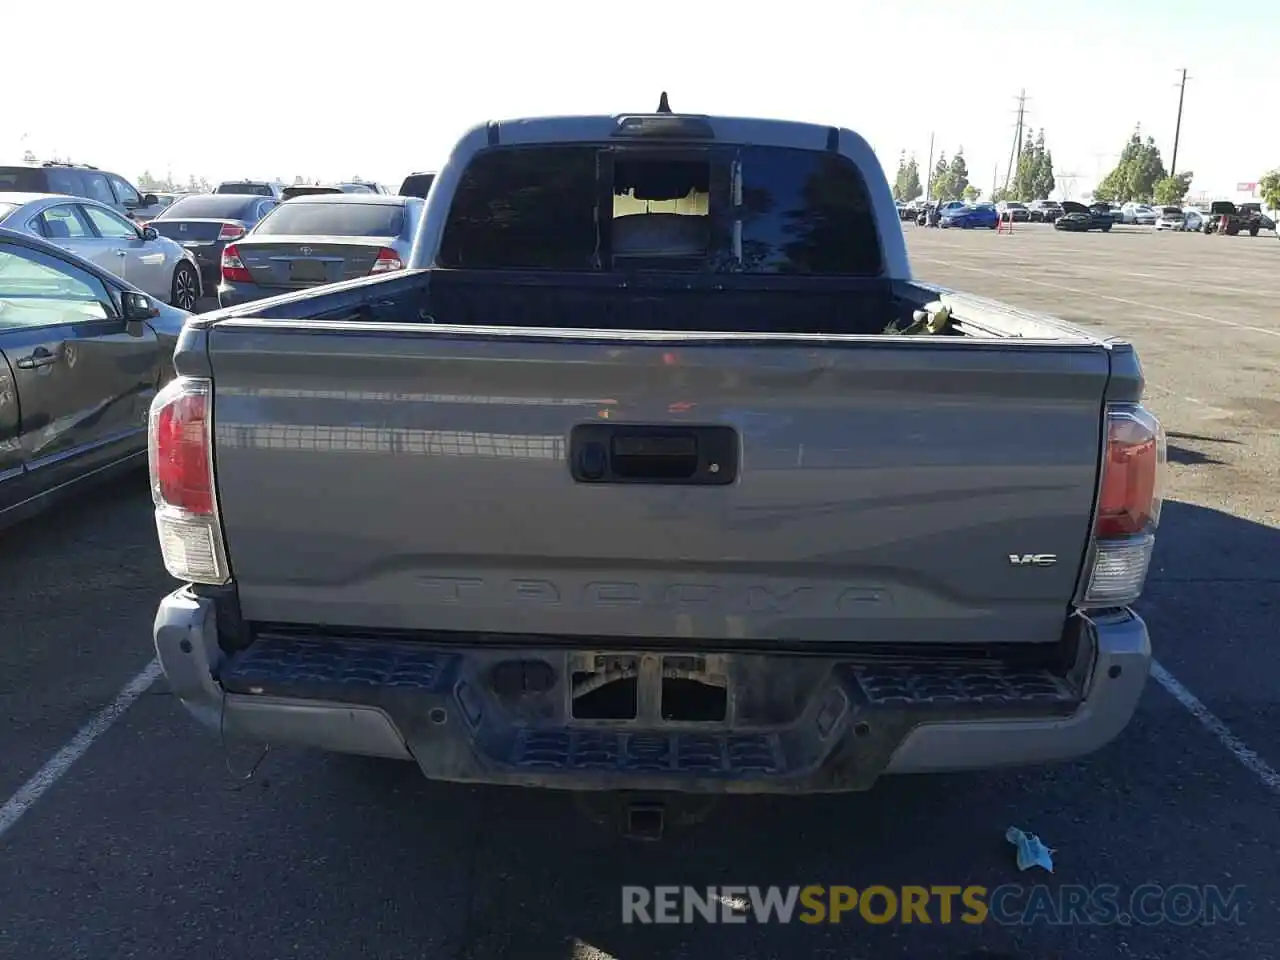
(1171, 218)
(154, 264)
(1194, 219)
(1138, 213)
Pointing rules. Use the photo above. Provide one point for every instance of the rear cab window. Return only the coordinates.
(717, 209)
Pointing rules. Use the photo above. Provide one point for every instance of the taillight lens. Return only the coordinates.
(233, 268)
(182, 465)
(1132, 463)
(387, 261)
(1129, 499)
(230, 231)
(180, 458)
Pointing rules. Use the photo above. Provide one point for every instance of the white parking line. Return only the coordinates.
(1004, 275)
(61, 762)
(1235, 746)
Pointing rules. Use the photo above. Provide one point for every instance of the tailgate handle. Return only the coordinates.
(608, 453)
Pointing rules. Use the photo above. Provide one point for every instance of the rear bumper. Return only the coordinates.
(233, 295)
(820, 724)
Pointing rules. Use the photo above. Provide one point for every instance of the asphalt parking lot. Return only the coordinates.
(150, 845)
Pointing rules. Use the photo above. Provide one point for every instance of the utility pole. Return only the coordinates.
(928, 173)
(995, 173)
(1177, 130)
(1015, 152)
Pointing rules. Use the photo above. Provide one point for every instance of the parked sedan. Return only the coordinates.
(1139, 213)
(1078, 218)
(155, 264)
(1171, 218)
(82, 353)
(309, 241)
(967, 218)
(206, 223)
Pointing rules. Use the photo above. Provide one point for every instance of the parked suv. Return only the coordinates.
(75, 180)
(1013, 211)
(1044, 211)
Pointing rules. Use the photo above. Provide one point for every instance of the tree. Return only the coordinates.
(1042, 181)
(1270, 187)
(957, 176)
(149, 184)
(971, 194)
(1033, 179)
(1136, 174)
(939, 183)
(899, 176)
(29, 156)
(1170, 190)
(911, 180)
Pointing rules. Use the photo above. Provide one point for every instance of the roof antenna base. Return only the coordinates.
(663, 105)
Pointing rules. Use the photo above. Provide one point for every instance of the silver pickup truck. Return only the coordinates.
(656, 470)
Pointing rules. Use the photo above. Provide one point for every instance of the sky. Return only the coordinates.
(377, 90)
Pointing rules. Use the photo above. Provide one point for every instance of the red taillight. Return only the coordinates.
(387, 261)
(180, 460)
(230, 231)
(181, 463)
(1130, 494)
(233, 268)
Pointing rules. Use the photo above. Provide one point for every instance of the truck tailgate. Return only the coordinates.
(420, 478)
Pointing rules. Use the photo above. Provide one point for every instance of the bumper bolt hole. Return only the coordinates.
(861, 728)
(437, 715)
(185, 646)
(1114, 671)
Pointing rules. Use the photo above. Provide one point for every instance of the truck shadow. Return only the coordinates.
(1192, 458)
(1188, 456)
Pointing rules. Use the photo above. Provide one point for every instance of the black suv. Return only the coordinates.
(75, 180)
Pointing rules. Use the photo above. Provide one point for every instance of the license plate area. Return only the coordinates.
(307, 271)
(649, 688)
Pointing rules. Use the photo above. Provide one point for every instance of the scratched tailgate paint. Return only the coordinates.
(412, 479)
